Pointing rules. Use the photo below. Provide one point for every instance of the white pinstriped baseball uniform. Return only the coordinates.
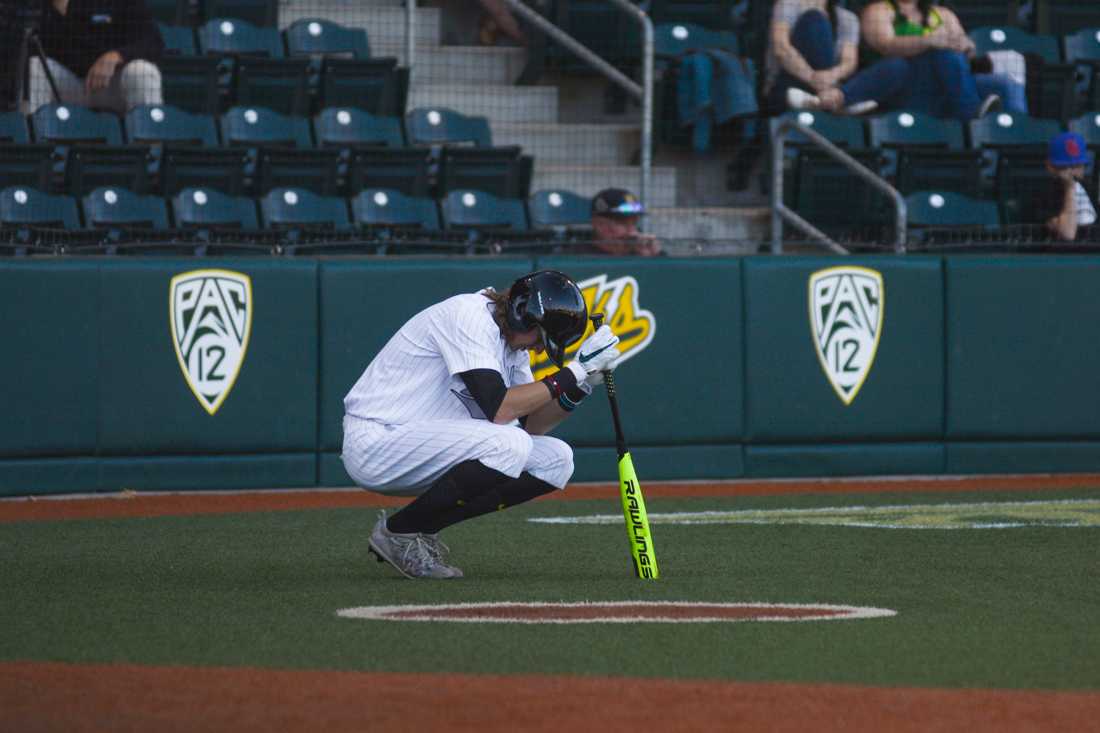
(410, 418)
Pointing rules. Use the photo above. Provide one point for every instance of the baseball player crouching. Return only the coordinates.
(449, 412)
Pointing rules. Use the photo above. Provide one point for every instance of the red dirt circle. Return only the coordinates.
(669, 612)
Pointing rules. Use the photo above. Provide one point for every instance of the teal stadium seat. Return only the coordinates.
(503, 171)
(347, 127)
(925, 152)
(443, 126)
(166, 124)
(320, 37)
(26, 206)
(377, 85)
(408, 170)
(949, 218)
(90, 148)
(14, 129)
(118, 208)
(178, 40)
(208, 208)
(978, 13)
(1005, 129)
(1010, 38)
(388, 209)
(170, 12)
(69, 124)
(469, 210)
(1088, 127)
(191, 82)
(298, 208)
(1050, 85)
(560, 211)
(1082, 49)
(260, 126)
(713, 14)
(236, 37)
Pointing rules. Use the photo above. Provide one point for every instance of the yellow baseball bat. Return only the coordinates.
(643, 557)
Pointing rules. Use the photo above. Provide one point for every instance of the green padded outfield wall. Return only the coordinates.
(188, 373)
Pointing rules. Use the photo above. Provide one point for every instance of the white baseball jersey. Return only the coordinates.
(409, 418)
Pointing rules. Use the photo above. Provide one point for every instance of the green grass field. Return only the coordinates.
(1006, 608)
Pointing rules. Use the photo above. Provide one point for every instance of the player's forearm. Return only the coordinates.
(523, 399)
(545, 419)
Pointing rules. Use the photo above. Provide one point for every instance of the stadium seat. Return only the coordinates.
(950, 209)
(1082, 50)
(476, 210)
(27, 206)
(234, 37)
(503, 172)
(827, 194)
(925, 152)
(675, 38)
(13, 128)
(191, 83)
(442, 126)
(377, 85)
(178, 40)
(91, 166)
(847, 132)
(256, 126)
(316, 170)
(208, 208)
(380, 208)
(164, 123)
(978, 13)
(27, 165)
(1088, 127)
(1006, 38)
(347, 127)
(256, 12)
(1019, 173)
(559, 210)
(280, 84)
(114, 208)
(1005, 129)
(68, 124)
(320, 37)
(293, 208)
(408, 170)
(1062, 17)
(186, 167)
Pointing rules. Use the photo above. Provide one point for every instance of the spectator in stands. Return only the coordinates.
(927, 45)
(813, 52)
(1066, 206)
(615, 214)
(498, 19)
(101, 53)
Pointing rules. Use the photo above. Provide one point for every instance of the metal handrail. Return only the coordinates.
(782, 213)
(643, 92)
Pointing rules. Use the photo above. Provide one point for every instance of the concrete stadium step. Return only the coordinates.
(384, 22)
(588, 180)
(459, 64)
(558, 144)
(501, 104)
(735, 228)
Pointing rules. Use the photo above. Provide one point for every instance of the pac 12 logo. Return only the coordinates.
(846, 306)
(211, 316)
(617, 299)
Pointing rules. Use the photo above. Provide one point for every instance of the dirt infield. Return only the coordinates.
(45, 696)
(134, 504)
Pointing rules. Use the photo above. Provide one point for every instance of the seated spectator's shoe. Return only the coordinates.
(798, 99)
(989, 104)
(861, 108)
(408, 553)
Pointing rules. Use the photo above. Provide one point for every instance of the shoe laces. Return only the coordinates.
(437, 547)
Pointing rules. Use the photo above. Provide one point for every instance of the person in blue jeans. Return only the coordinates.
(931, 42)
(812, 59)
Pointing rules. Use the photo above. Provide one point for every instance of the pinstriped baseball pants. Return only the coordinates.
(404, 460)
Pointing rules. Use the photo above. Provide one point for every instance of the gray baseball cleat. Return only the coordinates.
(410, 554)
(440, 550)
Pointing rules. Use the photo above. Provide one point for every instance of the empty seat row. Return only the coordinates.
(229, 36)
(193, 12)
(207, 208)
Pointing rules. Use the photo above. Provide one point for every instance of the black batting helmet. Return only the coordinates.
(552, 302)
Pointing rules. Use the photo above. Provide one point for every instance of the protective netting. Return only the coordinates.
(462, 127)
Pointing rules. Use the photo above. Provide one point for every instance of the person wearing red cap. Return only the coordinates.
(615, 214)
(1066, 205)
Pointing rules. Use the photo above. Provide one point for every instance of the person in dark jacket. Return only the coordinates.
(1066, 206)
(101, 53)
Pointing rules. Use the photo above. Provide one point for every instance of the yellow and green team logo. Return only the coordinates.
(617, 299)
